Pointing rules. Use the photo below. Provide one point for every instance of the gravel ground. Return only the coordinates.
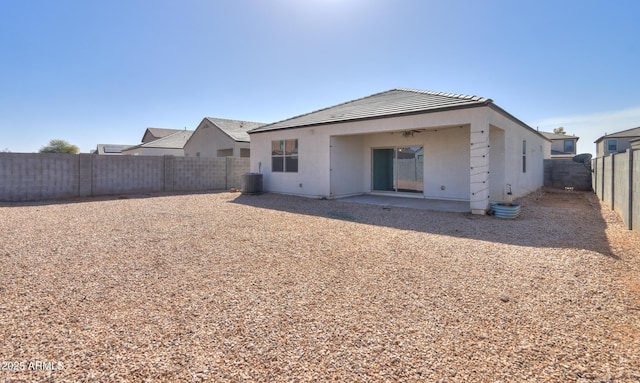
(224, 287)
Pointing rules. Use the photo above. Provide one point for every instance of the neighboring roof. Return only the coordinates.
(172, 141)
(554, 136)
(235, 129)
(635, 132)
(110, 149)
(560, 153)
(157, 133)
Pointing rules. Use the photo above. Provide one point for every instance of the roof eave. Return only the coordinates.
(485, 102)
(517, 120)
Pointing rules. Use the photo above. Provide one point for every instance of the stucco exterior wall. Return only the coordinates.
(522, 182)
(348, 165)
(602, 148)
(207, 140)
(446, 139)
(497, 158)
(445, 163)
(558, 145)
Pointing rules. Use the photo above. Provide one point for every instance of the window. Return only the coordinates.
(612, 145)
(524, 156)
(568, 146)
(225, 152)
(284, 156)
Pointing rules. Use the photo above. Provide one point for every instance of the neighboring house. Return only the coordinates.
(616, 142)
(218, 137)
(402, 142)
(562, 145)
(173, 144)
(109, 149)
(152, 134)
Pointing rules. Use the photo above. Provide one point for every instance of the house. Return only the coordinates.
(402, 142)
(217, 137)
(109, 149)
(152, 134)
(172, 144)
(616, 142)
(562, 145)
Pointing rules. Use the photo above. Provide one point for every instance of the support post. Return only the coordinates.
(613, 181)
(169, 166)
(630, 188)
(85, 176)
(479, 167)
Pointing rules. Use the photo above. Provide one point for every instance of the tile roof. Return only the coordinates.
(111, 149)
(160, 132)
(635, 132)
(554, 136)
(172, 141)
(235, 129)
(385, 104)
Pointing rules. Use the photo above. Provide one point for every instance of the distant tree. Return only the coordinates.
(59, 146)
(559, 130)
(5, 150)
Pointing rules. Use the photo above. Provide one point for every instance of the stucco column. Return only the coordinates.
(479, 167)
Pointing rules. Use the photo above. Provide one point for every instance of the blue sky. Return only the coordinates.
(96, 71)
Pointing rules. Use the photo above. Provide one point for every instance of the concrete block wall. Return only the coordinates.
(607, 180)
(596, 176)
(563, 173)
(33, 177)
(635, 190)
(127, 174)
(28, 177)
(236, 167)
(199, 173)
(617, 184)
(620, 192)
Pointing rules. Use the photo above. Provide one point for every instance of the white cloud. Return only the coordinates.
(590, 127)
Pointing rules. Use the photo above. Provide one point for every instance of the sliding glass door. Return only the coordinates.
(398, 169)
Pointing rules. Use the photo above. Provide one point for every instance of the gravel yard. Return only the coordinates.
(224, 287)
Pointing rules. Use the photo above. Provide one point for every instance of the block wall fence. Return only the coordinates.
(35, 177)
(616, 181)
(563, 173)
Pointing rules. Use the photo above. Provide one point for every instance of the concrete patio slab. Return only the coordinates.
(413, 203)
